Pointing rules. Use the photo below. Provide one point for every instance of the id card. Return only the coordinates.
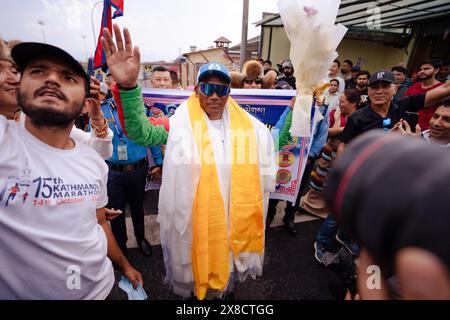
(122, 152)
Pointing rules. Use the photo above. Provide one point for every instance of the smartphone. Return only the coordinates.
(412, 118)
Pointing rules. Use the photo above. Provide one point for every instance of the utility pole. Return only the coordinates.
(42, 23)
(92, 21)
(85, 47)
(244, 34)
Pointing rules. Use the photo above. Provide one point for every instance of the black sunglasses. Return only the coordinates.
(256, 81)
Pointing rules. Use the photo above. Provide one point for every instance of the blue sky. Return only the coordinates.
(160, 27)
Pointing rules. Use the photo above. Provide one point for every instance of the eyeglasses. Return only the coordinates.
(209, 89)
(256, 81)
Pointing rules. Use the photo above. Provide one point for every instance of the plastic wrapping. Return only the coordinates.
(314, 36)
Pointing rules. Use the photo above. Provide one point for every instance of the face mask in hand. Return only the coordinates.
(133, 294)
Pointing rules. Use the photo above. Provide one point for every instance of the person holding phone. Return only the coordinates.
(439, 131)
(382, 112)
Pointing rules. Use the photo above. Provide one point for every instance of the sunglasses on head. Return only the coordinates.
(256, 81)
(209, 89)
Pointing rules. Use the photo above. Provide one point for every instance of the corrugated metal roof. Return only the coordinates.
(393, 13)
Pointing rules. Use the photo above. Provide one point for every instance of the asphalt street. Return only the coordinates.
(290, 269)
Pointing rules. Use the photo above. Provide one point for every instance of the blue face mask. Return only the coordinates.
(133, 294)
(209, 89)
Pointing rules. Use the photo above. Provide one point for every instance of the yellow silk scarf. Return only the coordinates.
(212, 237)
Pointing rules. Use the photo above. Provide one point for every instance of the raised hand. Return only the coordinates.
(123, 61)
(404, 129)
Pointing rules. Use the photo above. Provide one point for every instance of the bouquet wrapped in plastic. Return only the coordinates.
(314, 36)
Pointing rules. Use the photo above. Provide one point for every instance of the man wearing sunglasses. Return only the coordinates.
(213, 89)
(219, 168)
(255, 83)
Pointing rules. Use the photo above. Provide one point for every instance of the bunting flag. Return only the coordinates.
(107, 16)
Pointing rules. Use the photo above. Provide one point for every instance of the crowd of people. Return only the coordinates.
(64, 188)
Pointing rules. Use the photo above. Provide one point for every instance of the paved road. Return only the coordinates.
(290, 269)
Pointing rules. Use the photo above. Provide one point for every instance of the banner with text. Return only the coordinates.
(267, 106)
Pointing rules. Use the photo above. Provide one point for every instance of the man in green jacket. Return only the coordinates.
(124, 65)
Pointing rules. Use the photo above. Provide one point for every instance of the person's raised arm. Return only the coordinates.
(437, 94)
(100, 138)
(124, 61)
(124, 64)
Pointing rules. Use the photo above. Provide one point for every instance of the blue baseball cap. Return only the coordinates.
(214, 68)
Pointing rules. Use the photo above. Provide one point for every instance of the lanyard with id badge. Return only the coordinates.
(122, 151)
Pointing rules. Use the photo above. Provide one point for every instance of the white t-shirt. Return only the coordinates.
(51, 246)
(103, 146)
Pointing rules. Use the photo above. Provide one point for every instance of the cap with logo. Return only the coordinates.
(216, 69)
(382, 75)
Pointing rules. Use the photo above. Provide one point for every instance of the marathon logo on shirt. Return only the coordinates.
(43, 191)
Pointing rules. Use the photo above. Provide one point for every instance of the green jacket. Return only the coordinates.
(137, 125)
(285, 135)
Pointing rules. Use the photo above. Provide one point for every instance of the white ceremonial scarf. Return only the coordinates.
(181, 174)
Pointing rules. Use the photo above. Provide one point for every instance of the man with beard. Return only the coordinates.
(362, 79)
(351, 83)
(346, 69)
(54, 234)
(426, 76)
(99, 139)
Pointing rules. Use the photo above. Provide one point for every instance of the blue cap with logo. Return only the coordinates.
(214, 68)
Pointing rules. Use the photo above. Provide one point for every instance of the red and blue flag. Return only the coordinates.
(107, 16)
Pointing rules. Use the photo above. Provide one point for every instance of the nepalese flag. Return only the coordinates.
(107, 16)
